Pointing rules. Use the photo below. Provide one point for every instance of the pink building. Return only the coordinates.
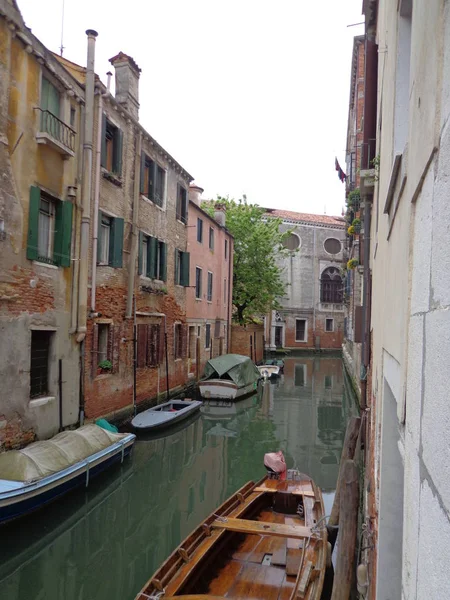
(209, 296)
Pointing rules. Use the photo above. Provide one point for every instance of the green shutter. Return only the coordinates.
(163, 258)
(184, 280)
(116, 245)
(104, 141)
(175, 270)
(117, 152)
(33, 221)
(152, 257)
(141, 239)
(99, 234)
(63, 234)
(142, 182)
(152, 183)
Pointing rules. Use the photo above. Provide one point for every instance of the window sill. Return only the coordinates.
(199, 299)
(111, 177)
(178, 359)
(41, 401)
(155, 204)
(182, 222)
(301, 341)
(43, 264)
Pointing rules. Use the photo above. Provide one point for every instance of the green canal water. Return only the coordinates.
(103, 543)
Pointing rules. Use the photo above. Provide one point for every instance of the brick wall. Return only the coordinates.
(243, 341)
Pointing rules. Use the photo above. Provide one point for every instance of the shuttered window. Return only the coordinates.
(153, 180)
(152, 257)
(211, 238)
(198, 283)
(181, 211)
(208, 336)
(110, 241)
(111, 152)
(178, 341)
(200, 230)
(300, 330)
(49, 229)
(182, 268)
(210, 286)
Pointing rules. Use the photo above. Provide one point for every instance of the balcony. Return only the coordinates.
(56, 134)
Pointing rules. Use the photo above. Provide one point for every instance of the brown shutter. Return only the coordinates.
(109, 350)
(115, 356)
(217, 329)
(184, 340)
(162, 347)
(94, 351)
(358, 325)
(141, 345)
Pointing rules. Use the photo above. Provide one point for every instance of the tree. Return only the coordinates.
(258, 246)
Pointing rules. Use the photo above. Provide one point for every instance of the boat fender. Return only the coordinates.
(362, 578)
(329, 551)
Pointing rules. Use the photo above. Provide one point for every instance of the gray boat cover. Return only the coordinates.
(240, 369)
(41, 459)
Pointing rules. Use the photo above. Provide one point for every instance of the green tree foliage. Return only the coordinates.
(258, 246)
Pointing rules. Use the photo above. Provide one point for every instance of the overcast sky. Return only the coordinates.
(249, 96)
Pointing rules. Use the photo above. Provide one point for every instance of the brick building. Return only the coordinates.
(209, 296)
(138, 266)
(312, 312)
(40, 166)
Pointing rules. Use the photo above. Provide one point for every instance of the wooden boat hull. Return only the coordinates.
(224, 389)
(160, 417)
(18, 499)
(254, 546)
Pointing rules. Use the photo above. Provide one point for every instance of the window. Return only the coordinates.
(111, 157)
(110, 240)
(178, 341)
(211, 238)
(332, 246)
(182, 204)
(292, 242)
(103, 335)
(300, 330)
(331, 286)
(198, 283)
(152, 260)
(72, 116)
(39, 365)
(226, 249)
(328, 382)
(50, 105)
(181, 268)
(192, 346)
(153, 180)
(225, 291)
(300, 376)
(329, 324)
(210, 286)
(49, 229)
(208, 336)
(149, 345)
(102, 345)
(200, 230)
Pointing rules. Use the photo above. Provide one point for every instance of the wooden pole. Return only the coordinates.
(348, 452)
(345, 560)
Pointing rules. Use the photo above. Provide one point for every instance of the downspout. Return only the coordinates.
(86, 187)
(230, 300)
(77, 228)
(98, 158)
(134, 226)
(314, 286)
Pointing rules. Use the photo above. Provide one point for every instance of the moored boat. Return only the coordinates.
(43, 471)
(269, 371)
(229, 377)
(165, 415)
(268, 540)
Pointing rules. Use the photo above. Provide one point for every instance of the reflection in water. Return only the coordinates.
(105, 542)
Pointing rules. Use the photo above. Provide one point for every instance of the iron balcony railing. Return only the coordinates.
(57, 129)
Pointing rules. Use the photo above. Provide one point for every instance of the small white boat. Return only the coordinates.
(165, 414)
(43, 471)
(229, 377)
(268, 371)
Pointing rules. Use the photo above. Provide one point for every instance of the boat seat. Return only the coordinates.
(262, 528)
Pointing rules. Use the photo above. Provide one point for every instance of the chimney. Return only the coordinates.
(219, 213)
(195, 194)
(127, 82)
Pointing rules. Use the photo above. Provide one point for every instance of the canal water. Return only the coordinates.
(103, 543)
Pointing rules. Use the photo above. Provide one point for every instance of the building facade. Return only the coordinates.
(41, 108)
(406, 299)
(210, 293)
(312, 312)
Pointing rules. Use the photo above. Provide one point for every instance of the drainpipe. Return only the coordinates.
(77, 227)
(98, 158)
(134, 226)
(230, 300)
(314, 286)
(87, 187)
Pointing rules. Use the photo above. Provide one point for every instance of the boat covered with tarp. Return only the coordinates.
(229, 376)
(43, 471)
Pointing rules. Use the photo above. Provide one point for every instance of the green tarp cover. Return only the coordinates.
(238, 368)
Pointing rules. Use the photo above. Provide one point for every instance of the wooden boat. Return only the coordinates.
(269, 371)
(268, 541)
(229, 377)
(165, 415)
(43, 471)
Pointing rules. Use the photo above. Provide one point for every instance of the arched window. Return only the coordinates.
(331, 286)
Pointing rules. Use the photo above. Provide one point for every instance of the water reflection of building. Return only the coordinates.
(106, 542)
(310, 415)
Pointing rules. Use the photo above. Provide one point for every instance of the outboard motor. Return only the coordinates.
(275, 465)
